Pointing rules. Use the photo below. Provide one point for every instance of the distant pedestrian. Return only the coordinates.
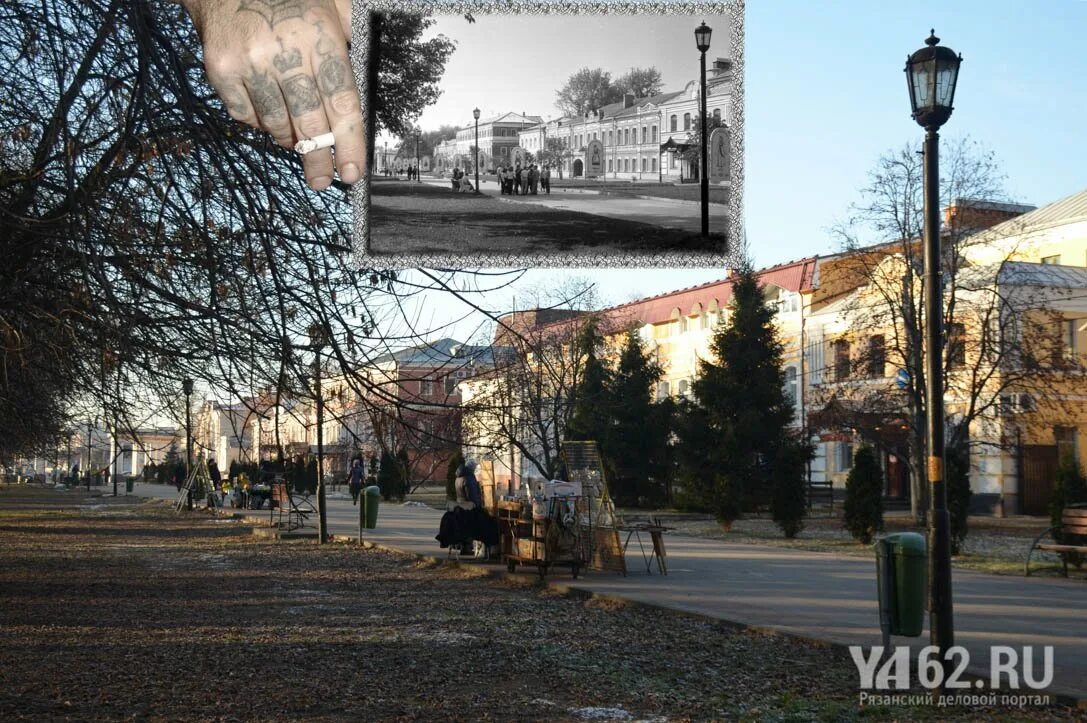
(355, 480)
(545, 179)
(533, 179)
(507, 181)
(455, 179)
(517, 180)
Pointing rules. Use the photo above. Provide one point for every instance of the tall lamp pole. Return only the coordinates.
(416, 154)
(317, 340)
(187, 386)
(88, 470)
(931, 74)
(475, 114)
(702, 41)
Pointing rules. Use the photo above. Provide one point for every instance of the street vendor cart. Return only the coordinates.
(544, 533)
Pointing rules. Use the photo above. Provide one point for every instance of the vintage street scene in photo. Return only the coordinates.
(557, 134)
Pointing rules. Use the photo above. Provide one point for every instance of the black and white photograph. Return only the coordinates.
(554, 135)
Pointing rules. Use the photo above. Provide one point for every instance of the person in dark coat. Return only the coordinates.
(355, 480)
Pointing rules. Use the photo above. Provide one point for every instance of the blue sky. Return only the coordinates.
(826, 96)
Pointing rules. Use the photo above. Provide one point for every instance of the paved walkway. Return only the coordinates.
(663, 212)
(818, 595)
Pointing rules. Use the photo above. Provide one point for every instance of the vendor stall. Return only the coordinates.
(544, 532)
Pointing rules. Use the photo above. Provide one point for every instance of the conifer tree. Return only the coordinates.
(591, 419)
(388, 475)
(739, 432)
(863, 509)
(638, 444)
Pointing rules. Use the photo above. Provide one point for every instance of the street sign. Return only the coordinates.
(902, 379)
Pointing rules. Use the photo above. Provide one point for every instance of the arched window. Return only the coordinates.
(663, 390)
(790, 385)
(684, 387)
(643, 165)
(611, 138)
(609, 171)
(673, 127)
(626, 136)
(686, 121)
(653, 165)
(717, 114)
(626, 165)
(705, 321)
(645, 137)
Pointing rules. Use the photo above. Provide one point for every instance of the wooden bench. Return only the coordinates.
(1072, 533)
(284, 503)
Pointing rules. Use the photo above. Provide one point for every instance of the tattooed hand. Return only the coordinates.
(282, 65)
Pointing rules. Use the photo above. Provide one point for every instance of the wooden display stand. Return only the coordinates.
(543, 543)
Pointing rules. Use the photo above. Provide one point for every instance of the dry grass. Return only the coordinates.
(115, 611)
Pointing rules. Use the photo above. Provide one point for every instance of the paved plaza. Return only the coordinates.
(427, 217)
(816, 595)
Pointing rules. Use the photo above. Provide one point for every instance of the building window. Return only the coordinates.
(684, 388)
(790, 385)
(626, 165)
(654, 134)
(1052, 260)
(717, 114)
(1068, 338)
(426, 387)
(653, 165)
(611, 138)
(1065, 437)
(841, 360)
(877, 357)
(684, 325)
(450, 385)
(705, 321)
(686, 121)
(956, 345)
(645, 136)
(626, 136)
(609, 165)
(643, 165)
(672, 125)
(663, 391)
(844, 456)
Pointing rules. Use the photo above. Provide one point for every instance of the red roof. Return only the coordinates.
(793, 276)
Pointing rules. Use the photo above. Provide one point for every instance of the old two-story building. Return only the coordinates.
(406, 399)
(498, 137)
(1014, 355)
(676, 327)
(641, 138)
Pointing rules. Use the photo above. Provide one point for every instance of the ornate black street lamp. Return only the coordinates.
(931, 74)
(187, 386)
(475, 114)
(317, 342)
(702, 42)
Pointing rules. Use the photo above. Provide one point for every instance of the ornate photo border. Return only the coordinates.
(605, 257)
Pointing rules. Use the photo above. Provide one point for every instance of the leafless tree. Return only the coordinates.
(149, 238)
(992, 346)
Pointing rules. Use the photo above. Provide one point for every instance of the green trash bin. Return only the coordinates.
(371, 497)
(901, 564)
(130, 482)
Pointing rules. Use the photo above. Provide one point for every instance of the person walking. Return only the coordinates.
(545, 179)
(355, 480)
(533, 179)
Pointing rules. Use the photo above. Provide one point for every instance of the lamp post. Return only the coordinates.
(417, 154)
(317, 341)
(187, 385)
(385, 159)
(931, 75)
(702, 42)
(475, 114)
(88, 470)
